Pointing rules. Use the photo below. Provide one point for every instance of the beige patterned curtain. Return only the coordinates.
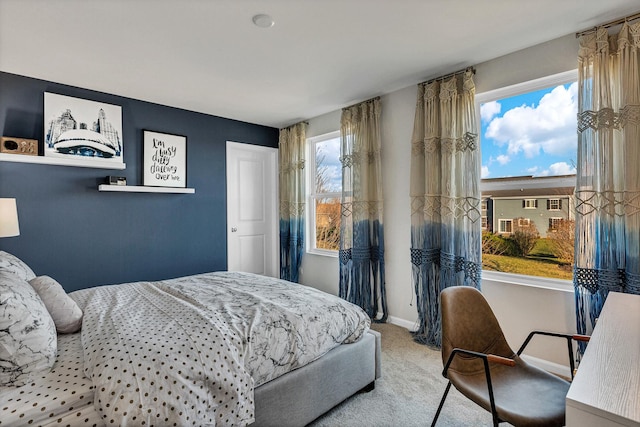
(608, 172)
(446, 233)
(292, 199)
(362, 274)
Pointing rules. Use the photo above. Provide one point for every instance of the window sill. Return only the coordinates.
(530, 281)
(323, 252)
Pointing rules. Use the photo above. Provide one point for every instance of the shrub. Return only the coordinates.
(563, 238)
(525, 235)
(494, 244)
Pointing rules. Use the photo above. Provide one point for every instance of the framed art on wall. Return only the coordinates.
(164, 159)
(80, 129)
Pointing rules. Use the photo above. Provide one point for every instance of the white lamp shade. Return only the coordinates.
(9, 226)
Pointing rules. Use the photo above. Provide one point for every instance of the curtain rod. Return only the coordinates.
(358, 103)
(295, 124)
(609, 24)
(447, 76)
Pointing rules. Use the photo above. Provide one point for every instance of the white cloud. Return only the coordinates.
(559, 168)
(503, 159)
(532, 170)
(549, 127)
(489, 110)
(484, 172)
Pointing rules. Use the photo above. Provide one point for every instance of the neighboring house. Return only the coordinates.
(544, 201)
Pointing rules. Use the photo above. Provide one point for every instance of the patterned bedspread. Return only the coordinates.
(190, 350)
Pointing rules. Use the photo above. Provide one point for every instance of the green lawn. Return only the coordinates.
(540, 262)
(532, 266)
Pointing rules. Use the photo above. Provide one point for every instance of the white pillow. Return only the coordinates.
(63, 310)
(16, 266)
(28, 339)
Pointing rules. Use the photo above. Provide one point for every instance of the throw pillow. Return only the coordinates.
(16, 266)
(64, 311)
(28, 339)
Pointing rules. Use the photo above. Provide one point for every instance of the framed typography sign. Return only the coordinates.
(165, 159)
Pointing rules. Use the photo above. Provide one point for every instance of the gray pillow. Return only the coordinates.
(64, 311)
(16, 266)
(28, 339)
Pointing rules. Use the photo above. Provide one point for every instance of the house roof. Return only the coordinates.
(528, 186)
(529, 193)
(320, 56)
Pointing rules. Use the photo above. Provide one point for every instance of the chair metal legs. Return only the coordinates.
(444, 396)
(496, 420)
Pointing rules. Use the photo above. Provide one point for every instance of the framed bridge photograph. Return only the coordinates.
(76, 128)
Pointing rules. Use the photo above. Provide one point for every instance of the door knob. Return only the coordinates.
(234, 229)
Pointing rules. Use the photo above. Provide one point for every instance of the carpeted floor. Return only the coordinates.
(408, 393)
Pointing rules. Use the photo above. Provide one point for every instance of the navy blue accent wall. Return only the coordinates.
(84, 238)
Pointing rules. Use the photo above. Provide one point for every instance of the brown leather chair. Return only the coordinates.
(481, 365)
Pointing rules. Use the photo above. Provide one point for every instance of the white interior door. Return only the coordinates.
(252, 209)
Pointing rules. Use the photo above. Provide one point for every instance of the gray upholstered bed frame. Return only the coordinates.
(299, 397)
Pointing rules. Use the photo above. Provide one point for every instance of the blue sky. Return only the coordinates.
(530, 134)
(331, 151)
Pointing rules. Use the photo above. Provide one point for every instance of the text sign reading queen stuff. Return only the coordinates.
(165, 160)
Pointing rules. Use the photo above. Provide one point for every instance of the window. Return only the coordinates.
(554, 223)
(505, 226)
(484, 223)
(324, 182)
(529, 151)
(554, 204)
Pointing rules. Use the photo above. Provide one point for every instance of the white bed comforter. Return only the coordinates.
(190, 350)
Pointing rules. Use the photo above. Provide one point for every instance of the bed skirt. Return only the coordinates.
(301, 396)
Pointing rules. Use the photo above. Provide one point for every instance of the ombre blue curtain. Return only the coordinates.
(362, 275)
(292, 199)
(607, 246)
(446, 235)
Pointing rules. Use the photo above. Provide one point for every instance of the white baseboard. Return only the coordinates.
(554, 368)
(411, 326)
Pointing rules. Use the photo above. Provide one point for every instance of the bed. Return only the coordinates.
(222, 348)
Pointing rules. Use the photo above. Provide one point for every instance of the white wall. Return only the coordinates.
(519, 308)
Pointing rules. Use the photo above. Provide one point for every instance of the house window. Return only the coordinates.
(529, 151)
(324, 182)
(505, 226)
(554, 223)
(554, 204)
(484, 223)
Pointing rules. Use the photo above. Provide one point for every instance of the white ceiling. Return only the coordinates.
(321, 55)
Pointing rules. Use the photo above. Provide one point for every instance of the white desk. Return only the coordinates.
(606, 389)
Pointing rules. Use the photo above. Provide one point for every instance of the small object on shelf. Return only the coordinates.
(116, 180)
(11, 145)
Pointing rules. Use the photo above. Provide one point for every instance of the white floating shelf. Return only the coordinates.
(144, 189)
(81, 163)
